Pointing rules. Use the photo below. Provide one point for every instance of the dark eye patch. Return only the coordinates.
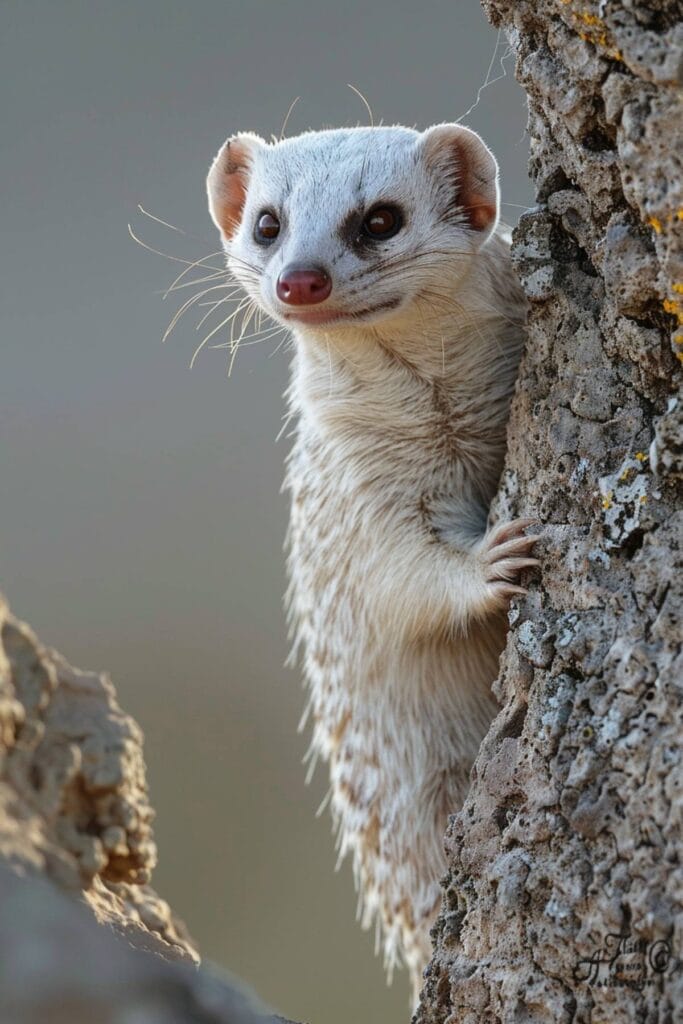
(354, 231)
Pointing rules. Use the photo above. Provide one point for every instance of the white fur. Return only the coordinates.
(397, 593)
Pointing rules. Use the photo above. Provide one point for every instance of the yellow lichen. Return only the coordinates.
(590, 19)
(643, 499)
(656, 224)
(671, 305)
(641, 456)
(607, 501)
(677, 286)
(625, 475)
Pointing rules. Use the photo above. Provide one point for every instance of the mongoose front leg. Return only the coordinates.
(424, 587)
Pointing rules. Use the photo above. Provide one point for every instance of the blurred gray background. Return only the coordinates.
(141, 523)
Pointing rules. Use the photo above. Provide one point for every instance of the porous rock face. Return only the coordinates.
(83, 937)
(73, 795)
(563, 900)
(58, 966)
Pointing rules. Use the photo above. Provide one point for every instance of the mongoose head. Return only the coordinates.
(350, 228)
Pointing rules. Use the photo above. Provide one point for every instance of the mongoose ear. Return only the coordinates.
(470, 174)
(228, 180)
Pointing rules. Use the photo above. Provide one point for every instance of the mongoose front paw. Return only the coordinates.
(504, 552)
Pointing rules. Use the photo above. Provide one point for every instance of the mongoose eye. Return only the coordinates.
(267, 227)
(382, 222)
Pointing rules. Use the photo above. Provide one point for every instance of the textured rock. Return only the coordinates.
(73, 795)
(57, 966)
(563, 900)
(74, 810)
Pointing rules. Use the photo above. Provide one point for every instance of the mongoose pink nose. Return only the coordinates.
(303, 286)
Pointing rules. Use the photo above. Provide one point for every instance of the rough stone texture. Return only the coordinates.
(563, 900)
(57, 966)
(73, 795)
(75, 820)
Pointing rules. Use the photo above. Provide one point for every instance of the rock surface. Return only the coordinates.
(73, 795)
(75, 820)
(57, 966)
(563, 901)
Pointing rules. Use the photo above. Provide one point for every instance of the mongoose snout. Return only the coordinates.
(303, 286)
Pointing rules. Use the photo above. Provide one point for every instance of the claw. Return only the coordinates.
(509, 567)
(520, 545)
(504, 589)
(513, 529)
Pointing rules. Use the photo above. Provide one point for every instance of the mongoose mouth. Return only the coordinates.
(328, 317)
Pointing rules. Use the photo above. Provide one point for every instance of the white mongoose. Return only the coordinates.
(380, 248)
